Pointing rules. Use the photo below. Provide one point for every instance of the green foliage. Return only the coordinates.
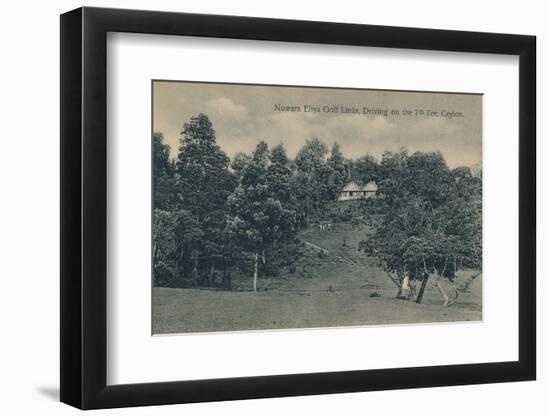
(164, 181)
(431, 222)
(164, 247)
(263, 207)
(317, 180)
(204, 180)
(176, 242)
(213, 216)
(366, 169)
(278, 178)
(239, 163)
(256, 214)
(311, 156)
(337, 161)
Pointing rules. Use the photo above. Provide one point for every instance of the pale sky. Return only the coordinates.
(242, 115)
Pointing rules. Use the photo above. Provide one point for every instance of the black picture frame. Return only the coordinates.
(84, 207)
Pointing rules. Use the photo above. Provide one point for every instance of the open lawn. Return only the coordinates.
(334, 285)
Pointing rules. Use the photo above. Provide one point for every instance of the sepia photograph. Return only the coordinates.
(291, 207)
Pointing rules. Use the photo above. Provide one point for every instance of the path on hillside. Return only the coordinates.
(333, 283)
(328, 252)
(328, 264)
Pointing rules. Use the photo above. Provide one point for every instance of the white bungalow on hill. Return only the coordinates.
(352, 191)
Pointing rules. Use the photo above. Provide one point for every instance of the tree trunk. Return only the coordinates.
(195, 278)
(307, 211)
(412, 291)
(211, 277)
(422, 289)
(155, 252)
(255, 281)
(397, 284)
(227, 279)
(442, 291)
(399, 292)
(455, 290)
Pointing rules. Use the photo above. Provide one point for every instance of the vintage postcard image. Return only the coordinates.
(284, 207)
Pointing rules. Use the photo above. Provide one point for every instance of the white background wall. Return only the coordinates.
(29, 237)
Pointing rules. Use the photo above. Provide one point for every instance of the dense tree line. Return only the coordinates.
(430, 225)
(214, 216)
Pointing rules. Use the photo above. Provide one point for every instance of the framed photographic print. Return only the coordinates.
(257, 208)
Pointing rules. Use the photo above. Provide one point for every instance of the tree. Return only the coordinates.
(255, 216)
(428, 176)
(176, 238)
(392, 171)
(431, 224)
(188, 241)
(164, 248)
(336, 172)
(213, 253)
(203, 183)
(239, 163)
(311, 163)
(329, 183)
(278, 179)
(366, 169)
(164, 222)
(311, 156)
(300, 188)
(466, 213)
(204, 179)
(391, 242)
(336, 160)
(164, 181)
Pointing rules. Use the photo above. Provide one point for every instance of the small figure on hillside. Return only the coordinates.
(330, 289)
(405, 288)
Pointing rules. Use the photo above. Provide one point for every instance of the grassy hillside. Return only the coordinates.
(333, 284)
